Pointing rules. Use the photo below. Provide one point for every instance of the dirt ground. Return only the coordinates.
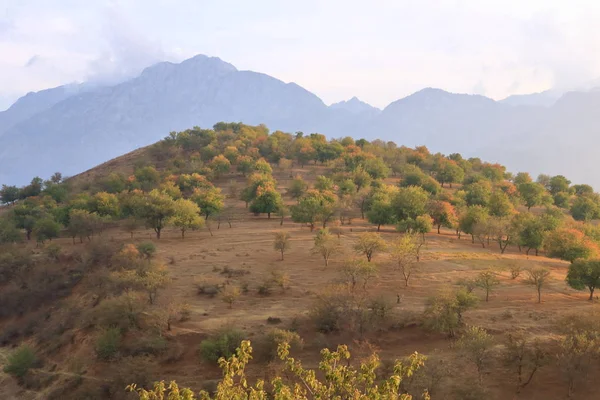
(248, 246)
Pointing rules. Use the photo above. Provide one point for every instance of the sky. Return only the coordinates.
(377, 50)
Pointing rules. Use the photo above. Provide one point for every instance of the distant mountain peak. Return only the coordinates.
(355, 105)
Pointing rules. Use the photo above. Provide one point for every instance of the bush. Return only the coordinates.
(515, 271)
(53, 251)
(147, 249)
(278, 336)
(223, 344)
(20, 361)
(108, 344)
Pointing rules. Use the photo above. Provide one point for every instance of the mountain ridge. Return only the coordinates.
(72, 132)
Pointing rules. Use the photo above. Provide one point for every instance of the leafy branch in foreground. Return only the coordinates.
(341, 381)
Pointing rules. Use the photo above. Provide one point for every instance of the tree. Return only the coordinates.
(9, 233)
(500, 205)
(105, 204)
(369, 243)
(220, 165)
(314, 206)
(46, 228)
(537, 277)
(475, 345)
(558, 184)
(268, 200)
(25, 217)
(339, 376)
(584, 274)
(245, 164)
(532, 193)
(478, 193)
(525, 358)
(20, 361)
(326, 245)
(357, 271)
(81, 224)
(263, 167)
(282, 242)
(521, 178)
(210, 200)
(584, 208)
(443, 214)
(156, 210)
(9, 194)
(450, 173)
(582, 190)
(404, 254)
(297, 188)
(473, 216)
(487, 280)
(531, 231)
(186, 216)
(381, 213)
(409, 202)
(420, 225)
(568, 244)
(444, 311)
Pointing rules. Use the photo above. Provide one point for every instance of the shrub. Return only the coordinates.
(53, 251)
(20, 361)
(265, 288)
(223, 344)
(277, 337)
(147, 249)
(108, 344)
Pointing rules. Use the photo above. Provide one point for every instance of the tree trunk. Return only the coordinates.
(539, 295)
(28, 234)
(591, 294)
(131, 234)
(487, 295)
(439, 225)
(536, 252)
(527, 252)
(269, 215)
(183, 233)
(281, 254)
(378, 227)
(472, 239)
(326, 261)
(157, 232)
(312, 227)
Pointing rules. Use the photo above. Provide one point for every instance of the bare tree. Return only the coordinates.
(537, 277)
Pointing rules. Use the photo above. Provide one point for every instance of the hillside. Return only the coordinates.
(71, 129)
(152, 265)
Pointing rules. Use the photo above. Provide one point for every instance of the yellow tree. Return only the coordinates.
(187, 216)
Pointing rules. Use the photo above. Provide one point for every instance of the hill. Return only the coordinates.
(71, 129)
(153, 265)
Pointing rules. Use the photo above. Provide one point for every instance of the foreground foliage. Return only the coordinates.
(341, 381)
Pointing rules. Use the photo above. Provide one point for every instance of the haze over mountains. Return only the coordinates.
(75, 127)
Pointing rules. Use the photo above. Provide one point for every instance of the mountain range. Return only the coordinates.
(75, 127)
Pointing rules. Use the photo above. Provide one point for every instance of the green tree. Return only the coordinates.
(46, 228)
(473, 216)
(585, 209)
(263, 167)
(558, 184)
(25, 217)
(186, 216)
(410, 202)
(380, 213)
(450, 173)
(210, 200)
(500, 205)
(156, 210)
(9, 194)
(20, 361)
(584, 274)
(532, 193)
(9, 233)
(268, 200)
(478, 193)
(521, 178)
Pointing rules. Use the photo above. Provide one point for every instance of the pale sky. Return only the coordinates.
(378, 50)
